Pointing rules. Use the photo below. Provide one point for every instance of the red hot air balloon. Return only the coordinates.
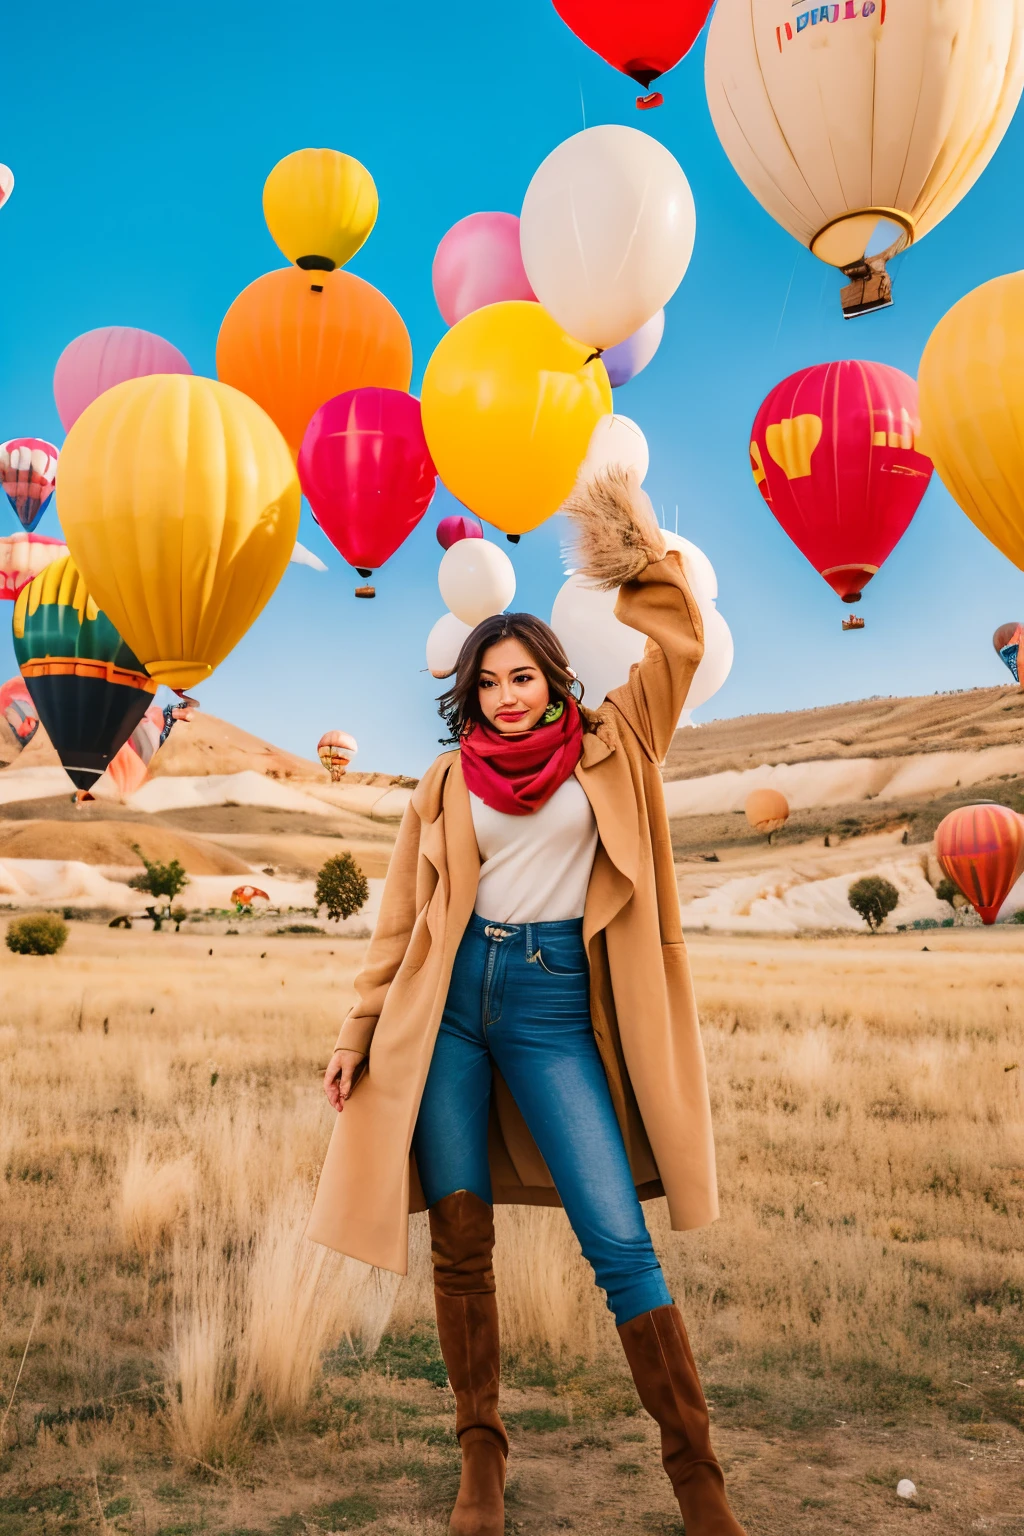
(28, 466)
(643, 39)
(834, 454)
(367, 473)
(1007, 640)
(981, 849)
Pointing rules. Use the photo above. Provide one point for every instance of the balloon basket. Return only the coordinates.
(366, 591)
(869, 290)
(853, 622)
(513, 538)
(645, 103)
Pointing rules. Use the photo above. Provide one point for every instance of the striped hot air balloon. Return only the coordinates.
(1006, 641)
(981, 849)
(28, 466)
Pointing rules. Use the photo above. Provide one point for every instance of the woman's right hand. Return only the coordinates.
(340, 1076)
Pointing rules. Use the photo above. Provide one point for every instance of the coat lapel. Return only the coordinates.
(615, 875)
(462, 853)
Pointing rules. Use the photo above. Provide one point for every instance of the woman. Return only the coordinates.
(526, 1030)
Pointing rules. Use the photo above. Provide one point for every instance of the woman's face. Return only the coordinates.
(512, 689)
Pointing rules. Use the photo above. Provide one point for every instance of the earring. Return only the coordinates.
(554, 712)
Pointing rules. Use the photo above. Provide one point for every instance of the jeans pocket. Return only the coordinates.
(563, 960)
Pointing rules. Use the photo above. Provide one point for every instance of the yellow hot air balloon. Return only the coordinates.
(320, 206)
(971, 391)
(859, 124)
(180, 505)
(510, 403)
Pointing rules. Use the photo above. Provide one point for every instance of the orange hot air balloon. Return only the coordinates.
(126, 771)
(767, 810)
(293, 340)
(981, 849)
(1007, 642)
(336, 749)
(244, 896)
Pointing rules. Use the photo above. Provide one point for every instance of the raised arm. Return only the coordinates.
(619, 544)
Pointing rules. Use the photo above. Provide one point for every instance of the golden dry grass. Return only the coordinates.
(161, 1127)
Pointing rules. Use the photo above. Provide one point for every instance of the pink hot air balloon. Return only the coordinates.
(451, 529)
(23, 556)
(366, 472)
(100, 359)
(479, 262)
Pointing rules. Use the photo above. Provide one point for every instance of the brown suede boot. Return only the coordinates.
(666, 1378)
(462, 1243)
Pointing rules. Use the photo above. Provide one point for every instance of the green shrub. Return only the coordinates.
(43, 933)
(948, 890)
(1018, 916)
(873, 899)
(341, 887)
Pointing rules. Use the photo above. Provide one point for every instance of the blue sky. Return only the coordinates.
(140, 153)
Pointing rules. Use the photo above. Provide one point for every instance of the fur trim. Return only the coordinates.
(615, 533)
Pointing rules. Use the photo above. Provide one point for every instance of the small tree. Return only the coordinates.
(873, 899)
(948, 890)
(162, 881)
(43, 933)
(341, 887)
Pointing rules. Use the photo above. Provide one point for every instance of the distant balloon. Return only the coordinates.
(336, 749)
(320, 206)
(981, 849)
(644, 39)
(479, 262)
(444, 643)
(88, 686)
(766, 810)
(97, 360)
(451, 529)
(631, 356)
(247, 896)
(616, 442)
(126, 772)
(28, 466)
(1007, 640)
(476, 579)
(19, 711)
(6, 183)
(24, 555)
(834, 452)
(366, 472)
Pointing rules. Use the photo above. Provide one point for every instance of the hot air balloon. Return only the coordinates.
(444, 643)
(129, 768)
(28, 466)
(180, 503)
(88, 686)
(981, 849)
(479, 262)
(451, 529)
(336, 749)
(972, 409)
(245, 897)
(320, 206)
(366, 472)
(644, 39)
(19, 711)
(766, 810)
(6, 183)
(24, 555)
(631, 356)
(1006, 641)
(293, 340)
(858, 125)
(834, 454)
(100, 359)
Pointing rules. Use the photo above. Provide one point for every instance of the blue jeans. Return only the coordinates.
(520, 997)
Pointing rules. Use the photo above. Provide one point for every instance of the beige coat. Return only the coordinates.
(642, 1002)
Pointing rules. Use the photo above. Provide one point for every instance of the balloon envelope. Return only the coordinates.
(336, 749)
(479, 262)
(834, 453)
(451, 529)
(616, 442)
(510, 403)
(19, 711)
(631, 356)
(24, 555)
(6, 183)
(366, 472)
(180, 503)
(28, 466)
(607, 232)
(88, 686)
(643, 39)
(100, 359)
(476, 579)
(766, 810)
(293, 340)
(981, 849)
(1006, 642)
(444, 643)
(320, 206)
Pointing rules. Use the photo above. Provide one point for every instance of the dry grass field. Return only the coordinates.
(175, 1359)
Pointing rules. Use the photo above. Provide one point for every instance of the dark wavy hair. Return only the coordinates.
(459, 708)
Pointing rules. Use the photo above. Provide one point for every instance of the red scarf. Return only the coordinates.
(519, 774)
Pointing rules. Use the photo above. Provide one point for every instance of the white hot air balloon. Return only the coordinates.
(859, 124)
(476, 579)
(616, 440)
(607, 232)
(444, 644)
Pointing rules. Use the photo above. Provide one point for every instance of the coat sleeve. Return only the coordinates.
(619, 544)
(390, 939)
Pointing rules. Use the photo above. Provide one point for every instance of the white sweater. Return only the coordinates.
(536, 868)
